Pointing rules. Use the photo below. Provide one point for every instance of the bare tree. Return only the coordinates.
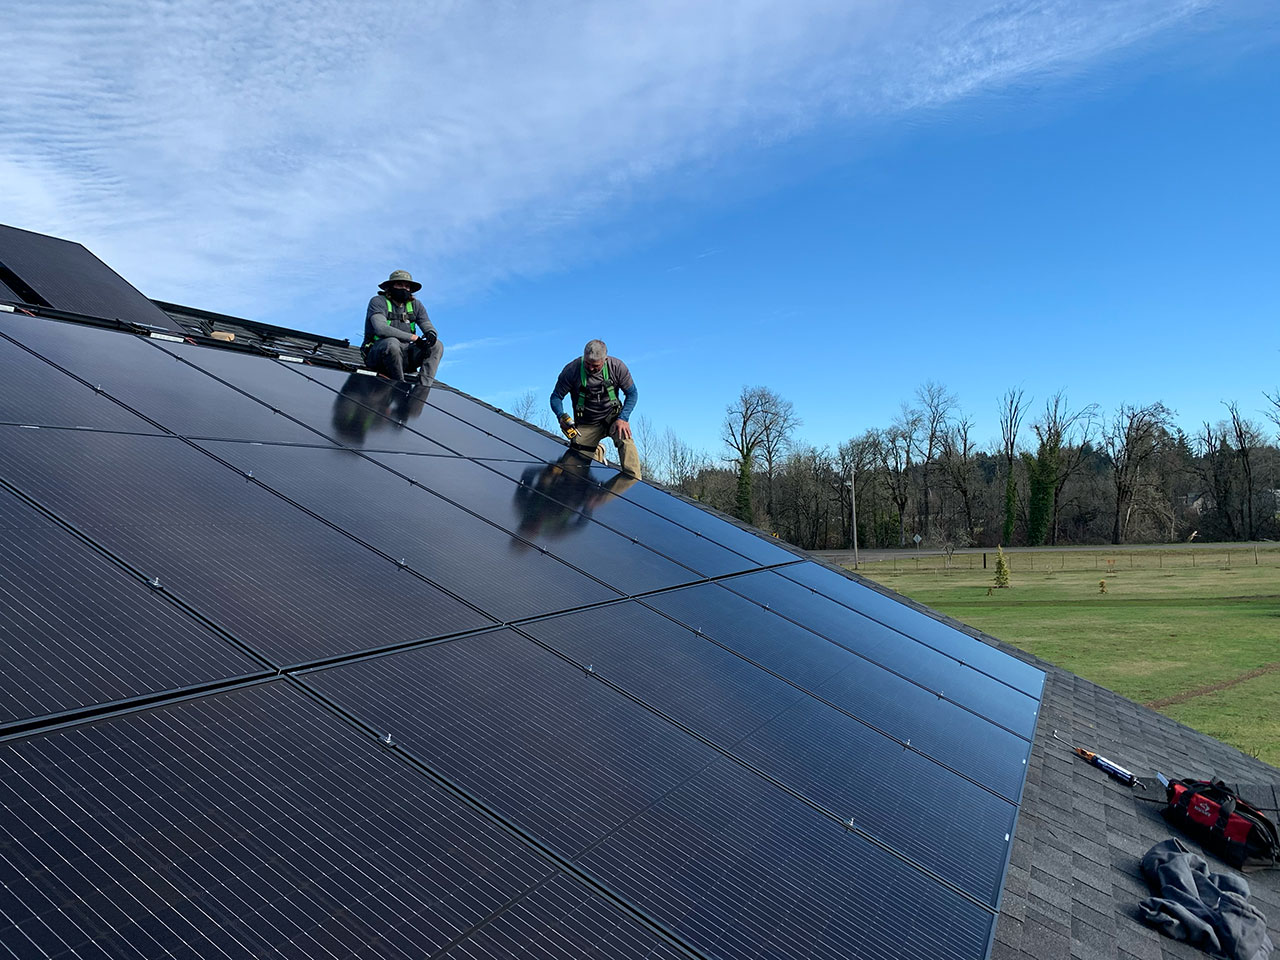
(958, 468)
(1274, 413)
(778, 422)
(935, 410)
(742, 432)
(1013, 408)
(528, 409)
(1065, 437)
(1132, 439)
(1248, 437)
(677, 464)
(856, 460)
(1217, 470)
(896, 446)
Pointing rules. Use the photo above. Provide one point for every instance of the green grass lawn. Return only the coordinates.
(1169, 624)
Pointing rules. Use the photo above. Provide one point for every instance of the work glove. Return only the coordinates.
(428, 339)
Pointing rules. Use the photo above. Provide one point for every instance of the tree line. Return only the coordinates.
(1059, 474)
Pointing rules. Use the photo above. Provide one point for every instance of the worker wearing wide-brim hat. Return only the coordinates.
(399, 337)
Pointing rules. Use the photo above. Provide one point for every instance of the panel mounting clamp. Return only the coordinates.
(154, 583)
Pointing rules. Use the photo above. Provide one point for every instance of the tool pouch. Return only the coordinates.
(1235, 830)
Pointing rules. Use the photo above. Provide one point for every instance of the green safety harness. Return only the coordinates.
(408, 309)
(581, 405)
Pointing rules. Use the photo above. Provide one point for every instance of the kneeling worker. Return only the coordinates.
(392, 343)
(594, 382)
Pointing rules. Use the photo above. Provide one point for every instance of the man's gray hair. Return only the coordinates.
(594, 350)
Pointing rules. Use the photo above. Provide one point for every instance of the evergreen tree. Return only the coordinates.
(1002, 568)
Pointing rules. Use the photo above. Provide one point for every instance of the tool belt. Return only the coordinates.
(1239, 832)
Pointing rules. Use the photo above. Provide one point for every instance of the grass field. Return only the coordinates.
(1192, 633)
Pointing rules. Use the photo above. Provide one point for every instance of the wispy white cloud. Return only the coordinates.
(233, 154)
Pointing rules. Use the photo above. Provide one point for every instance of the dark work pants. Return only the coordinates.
(393, 357)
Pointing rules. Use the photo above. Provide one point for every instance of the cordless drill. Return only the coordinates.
(566, 425)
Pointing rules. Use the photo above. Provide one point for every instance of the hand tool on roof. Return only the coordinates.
(1111, 769)
(567, 427)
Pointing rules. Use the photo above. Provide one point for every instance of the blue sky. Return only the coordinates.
(840, 201)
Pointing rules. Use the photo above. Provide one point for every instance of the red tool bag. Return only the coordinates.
(1239, 832)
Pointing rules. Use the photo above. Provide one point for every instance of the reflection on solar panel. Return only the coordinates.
(67, 276)
(299, 662)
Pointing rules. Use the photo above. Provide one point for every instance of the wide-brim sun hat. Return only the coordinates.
(401, 275)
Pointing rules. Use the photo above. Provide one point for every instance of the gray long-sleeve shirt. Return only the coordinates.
(386, 318)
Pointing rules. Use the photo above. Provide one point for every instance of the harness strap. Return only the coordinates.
(408, 309)
(581, 405)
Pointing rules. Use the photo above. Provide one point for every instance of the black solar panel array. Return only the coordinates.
(66, 276)
(298, 662)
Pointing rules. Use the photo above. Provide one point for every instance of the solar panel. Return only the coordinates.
(776, 763)
(699, 519)
(896, 651)
(898, 706)
(6, 293)
(367, 410)
(741, 869)
(480, 417)
(461, 552)
(279, 580)
(36, 393)
(562, 755)
(561, 920)
(920, 626)
(567, 482)
(380, 415)
(249, 823)
(153, 383)
(79, 631)
(571, 535)
(909, 802)
(69, 277)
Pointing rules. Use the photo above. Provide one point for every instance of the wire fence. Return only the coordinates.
(1102, 561)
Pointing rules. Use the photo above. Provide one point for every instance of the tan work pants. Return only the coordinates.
(591, 436)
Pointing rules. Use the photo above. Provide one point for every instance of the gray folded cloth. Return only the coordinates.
(1208, 910)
